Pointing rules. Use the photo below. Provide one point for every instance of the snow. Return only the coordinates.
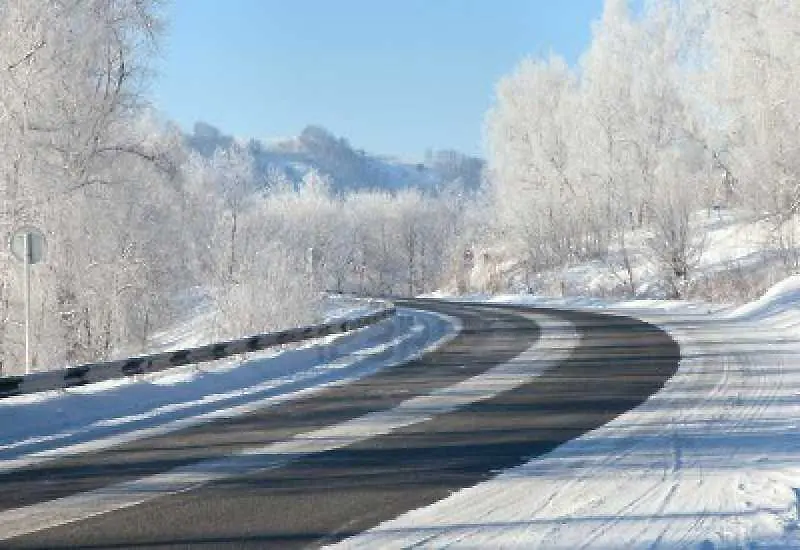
(343, 307)
(731, 240)
(48, 425)
(779, 305)
(711, 461)
(557, 341)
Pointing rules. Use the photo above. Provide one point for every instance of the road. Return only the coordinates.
(320, 488)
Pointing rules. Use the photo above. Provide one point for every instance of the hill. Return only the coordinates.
(348, 169)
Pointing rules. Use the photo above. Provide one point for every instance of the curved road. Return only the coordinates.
(308, 499)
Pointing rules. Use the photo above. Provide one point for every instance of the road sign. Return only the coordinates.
(28, 242)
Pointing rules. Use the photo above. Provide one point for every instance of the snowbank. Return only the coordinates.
(47, 425)
(711, 461)
(779, 305)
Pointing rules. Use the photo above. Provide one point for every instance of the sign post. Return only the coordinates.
(27, 244)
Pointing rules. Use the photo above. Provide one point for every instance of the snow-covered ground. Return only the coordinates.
(44, 426)
(711, 461)
(199, 327)
(725, 241)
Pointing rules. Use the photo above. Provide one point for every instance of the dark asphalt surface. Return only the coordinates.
(322, 498)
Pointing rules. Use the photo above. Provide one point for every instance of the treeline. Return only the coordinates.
(139, 226)
(271, 247)
(674, 109)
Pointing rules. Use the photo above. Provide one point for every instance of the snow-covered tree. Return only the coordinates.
(582, 158)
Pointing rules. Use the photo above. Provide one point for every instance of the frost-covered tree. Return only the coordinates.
(532, 141)
(635, 76)
(582, 158)
(76, 151)
(753, 56)
(751, 59)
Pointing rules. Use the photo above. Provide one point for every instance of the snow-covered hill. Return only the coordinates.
(333, 157)
(737, 257)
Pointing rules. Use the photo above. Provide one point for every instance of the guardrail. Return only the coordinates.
(119, 368)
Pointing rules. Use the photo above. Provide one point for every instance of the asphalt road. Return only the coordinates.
(324, 497)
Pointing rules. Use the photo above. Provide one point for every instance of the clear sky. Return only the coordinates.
(392, 76)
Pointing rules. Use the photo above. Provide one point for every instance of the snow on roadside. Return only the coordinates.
(343, 306)
(780, 306)
(711, 461)
(45, 425)
(199, 326)
(731, 240)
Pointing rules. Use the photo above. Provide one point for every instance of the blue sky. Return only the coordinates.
(392, 76)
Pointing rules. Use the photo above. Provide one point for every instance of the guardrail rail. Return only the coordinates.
(120, 368)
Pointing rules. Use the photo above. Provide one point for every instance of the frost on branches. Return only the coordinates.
(674, 109)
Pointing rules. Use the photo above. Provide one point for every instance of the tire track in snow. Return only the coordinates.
(730, 371)
(672, 400)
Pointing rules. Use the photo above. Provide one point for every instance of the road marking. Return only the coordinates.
(558, 338)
